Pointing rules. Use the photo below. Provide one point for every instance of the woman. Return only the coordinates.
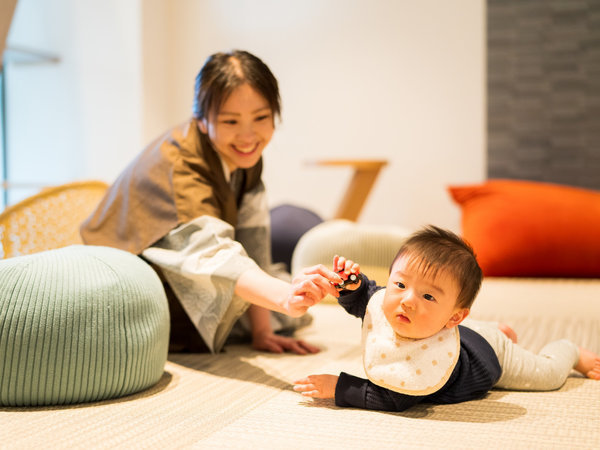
(193, 205)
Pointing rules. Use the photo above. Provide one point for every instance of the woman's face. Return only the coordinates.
(241, 129)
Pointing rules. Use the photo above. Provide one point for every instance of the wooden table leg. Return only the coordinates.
(363, 179)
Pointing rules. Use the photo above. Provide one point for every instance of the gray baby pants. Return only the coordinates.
(523, 369)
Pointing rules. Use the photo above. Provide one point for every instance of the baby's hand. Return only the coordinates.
(349, 271)
(317, 386)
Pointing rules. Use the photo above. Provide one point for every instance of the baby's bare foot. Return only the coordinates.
(508, 331)
(588, 364)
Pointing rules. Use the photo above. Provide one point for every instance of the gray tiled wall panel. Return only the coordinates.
(544, 90)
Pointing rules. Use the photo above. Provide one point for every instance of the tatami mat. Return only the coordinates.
(243, 399)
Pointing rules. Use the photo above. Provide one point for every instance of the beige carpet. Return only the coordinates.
(243, 399)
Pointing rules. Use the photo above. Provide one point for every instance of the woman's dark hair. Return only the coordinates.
(433, 249)
(223, 72)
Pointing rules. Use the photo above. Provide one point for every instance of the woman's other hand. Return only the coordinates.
(275, 343)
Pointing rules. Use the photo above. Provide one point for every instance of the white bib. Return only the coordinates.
(407, 366)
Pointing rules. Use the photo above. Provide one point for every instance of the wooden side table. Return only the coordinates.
(365, 174)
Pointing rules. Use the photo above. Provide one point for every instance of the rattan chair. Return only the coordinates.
(49, 219)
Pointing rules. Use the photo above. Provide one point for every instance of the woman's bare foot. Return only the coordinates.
(508, 331)
(588, 364)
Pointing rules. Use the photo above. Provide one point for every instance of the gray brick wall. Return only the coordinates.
(543, 87)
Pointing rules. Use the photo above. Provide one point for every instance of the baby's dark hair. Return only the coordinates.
(432, 249)
(223, 72)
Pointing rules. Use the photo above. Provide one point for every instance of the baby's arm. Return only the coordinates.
(355, 392)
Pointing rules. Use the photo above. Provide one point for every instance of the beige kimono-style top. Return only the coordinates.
(177, 206)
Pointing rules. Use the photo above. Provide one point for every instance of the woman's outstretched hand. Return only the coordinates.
(309, 287)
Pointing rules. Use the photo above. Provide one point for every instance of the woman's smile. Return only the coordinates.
(245, 149)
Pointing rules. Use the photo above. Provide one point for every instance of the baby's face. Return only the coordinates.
(418, 306)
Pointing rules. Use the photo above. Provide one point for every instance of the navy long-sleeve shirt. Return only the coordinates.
(475, 373)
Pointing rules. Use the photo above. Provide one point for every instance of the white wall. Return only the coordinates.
(398, 80)
(77, 118)
(393, 79)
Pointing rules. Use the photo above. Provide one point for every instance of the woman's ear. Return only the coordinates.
(202, 126)
(457, 317)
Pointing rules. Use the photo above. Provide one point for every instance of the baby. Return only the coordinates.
(414, 349)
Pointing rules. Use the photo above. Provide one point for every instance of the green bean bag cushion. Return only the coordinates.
(79, 324)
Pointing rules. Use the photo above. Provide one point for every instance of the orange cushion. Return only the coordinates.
(525, 228)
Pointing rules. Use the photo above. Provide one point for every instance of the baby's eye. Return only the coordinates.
(400, 284)
(263, 117)
(230, 122)
(429, 297)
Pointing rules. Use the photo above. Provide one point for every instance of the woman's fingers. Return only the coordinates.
(320, 269)
(295, 346)
(316, 289)
(308, 347)
(315, 286)
(299, 304)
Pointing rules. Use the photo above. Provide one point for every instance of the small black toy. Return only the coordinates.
(352, 278)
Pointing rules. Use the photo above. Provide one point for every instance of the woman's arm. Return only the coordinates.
(311, 285)
(306, 289)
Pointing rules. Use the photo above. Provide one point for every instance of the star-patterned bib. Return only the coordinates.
(404, 365)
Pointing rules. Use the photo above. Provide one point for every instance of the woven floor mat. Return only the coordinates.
(243, 399)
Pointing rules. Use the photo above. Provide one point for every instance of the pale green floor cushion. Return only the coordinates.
(79, 324)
